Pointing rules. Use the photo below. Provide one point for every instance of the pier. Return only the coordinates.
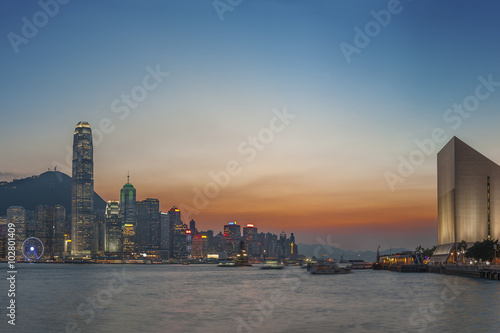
(476, 271)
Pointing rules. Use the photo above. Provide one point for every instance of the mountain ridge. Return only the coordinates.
(328, 251)
(49, 188)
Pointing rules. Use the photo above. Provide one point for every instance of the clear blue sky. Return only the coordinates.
(353, 120)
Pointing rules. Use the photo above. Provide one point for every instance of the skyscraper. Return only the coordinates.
(180, 241)
(113, 230)
(192, 227)
(468, 198)
(82, 202)
(148, 224)
(128, 204)
(250, 239)
(50, 221)
(282, 246)
(174, 221)
(128, 215)
(164, 231)
(293, 248)
(232, 237)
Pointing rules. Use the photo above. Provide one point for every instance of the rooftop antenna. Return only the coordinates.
(128, 176)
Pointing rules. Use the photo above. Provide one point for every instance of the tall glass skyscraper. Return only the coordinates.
(232, 237)
(82, 203)
(128, 215)
(50, 222)
(128, 204)
(113, 234)
(148, 224)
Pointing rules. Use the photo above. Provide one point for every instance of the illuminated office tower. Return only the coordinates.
(232, 237)
(113, 231)
(17, 215)
(282, 246)
(128, 216)
(49, 228)
(164, 231)
(468, 198)
(250, 239)
(180, 241)
(293, 248)
(189, 242)
(176, 229)
(58, 228)
(199, 246)
(148, 224)
(82, 191)
(180, 235)
(112, 208)
(128, 204)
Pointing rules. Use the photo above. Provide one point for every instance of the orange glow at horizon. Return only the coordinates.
(298, 209)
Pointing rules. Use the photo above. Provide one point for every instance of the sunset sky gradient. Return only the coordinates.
(323, 173)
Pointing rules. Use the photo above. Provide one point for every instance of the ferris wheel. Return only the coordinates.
(32, 248)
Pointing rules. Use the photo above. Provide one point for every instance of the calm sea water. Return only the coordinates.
(205, 298)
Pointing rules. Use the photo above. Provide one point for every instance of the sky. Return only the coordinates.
(321, 118)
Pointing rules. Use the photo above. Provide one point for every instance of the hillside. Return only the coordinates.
(49, 188)
(327, 251)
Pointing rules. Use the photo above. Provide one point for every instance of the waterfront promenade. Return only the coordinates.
(490, 272)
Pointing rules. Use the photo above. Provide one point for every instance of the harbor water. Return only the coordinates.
(206, 298)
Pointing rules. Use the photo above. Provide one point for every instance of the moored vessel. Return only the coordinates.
(241, 259)
(360, 264)
(273, 264)
(328, 268)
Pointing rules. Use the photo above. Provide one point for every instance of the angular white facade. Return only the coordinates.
(468, 195)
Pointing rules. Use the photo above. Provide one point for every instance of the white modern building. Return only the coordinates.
(468, 198)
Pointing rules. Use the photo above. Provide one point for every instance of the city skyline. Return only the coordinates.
(203, 86)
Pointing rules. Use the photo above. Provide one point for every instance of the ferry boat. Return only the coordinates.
(328, 268)
(360, 264)
(241, 259)
(273, 264)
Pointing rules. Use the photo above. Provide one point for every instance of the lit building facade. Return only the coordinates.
(200, 246)
(148, 224)
(468, 197)
(250, 239)
(128, 216)
(293, 248)
(113, 222)
(282, 246)
(164, 231)
(49, 228)
(82, 202)
(232, 237)
(177, 233)
(128, 203)
(180, 241)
